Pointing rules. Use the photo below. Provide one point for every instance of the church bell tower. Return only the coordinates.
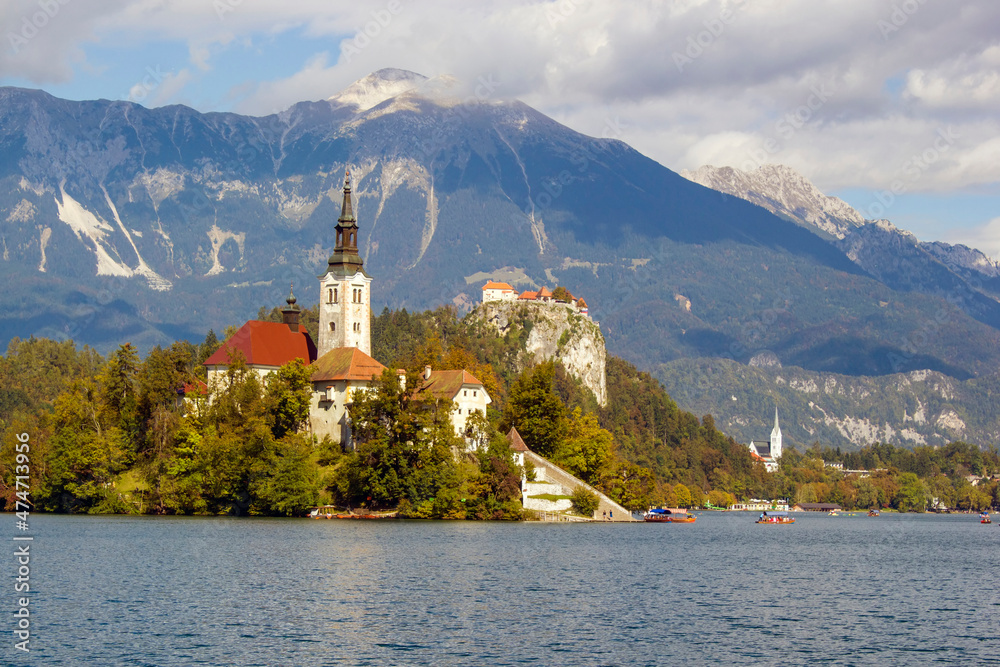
(345, 288)
(776, 437)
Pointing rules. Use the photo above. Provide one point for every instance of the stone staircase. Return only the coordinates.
(550, 478)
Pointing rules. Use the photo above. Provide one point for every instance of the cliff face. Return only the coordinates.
(557, 333)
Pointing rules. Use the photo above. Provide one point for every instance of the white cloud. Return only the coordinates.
(591, 63)
(985, 237)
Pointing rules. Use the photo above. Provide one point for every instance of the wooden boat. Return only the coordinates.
(985, 518)
(769, 516)
(323, 512)
(668, 515)
(873, 512)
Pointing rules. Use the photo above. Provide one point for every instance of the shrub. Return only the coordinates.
(585, 502)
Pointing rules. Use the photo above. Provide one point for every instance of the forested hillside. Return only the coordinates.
(115, 435)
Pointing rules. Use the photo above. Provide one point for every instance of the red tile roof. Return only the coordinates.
(516, 442)
(196, 387)
(345, 363)
(265, 344)
(492, 285)
(580, 303)
(544, 292)
(447, 384)
(531, 296)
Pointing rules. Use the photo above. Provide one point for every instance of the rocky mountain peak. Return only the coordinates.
(784, 191)
(378, 87)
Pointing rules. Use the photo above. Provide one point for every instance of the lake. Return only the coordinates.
(897, 589)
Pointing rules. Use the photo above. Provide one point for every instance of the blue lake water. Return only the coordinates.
(898, 589)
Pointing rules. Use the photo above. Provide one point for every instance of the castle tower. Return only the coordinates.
(345, 288)
(776, 437)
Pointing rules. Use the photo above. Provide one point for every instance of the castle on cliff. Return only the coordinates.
(341, 365)
(494, 291)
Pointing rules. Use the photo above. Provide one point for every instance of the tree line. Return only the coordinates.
(121, 434)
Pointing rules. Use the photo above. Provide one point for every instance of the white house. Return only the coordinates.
(493, 291)
(460, 387)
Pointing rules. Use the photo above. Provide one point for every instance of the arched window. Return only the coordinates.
(330, 296)
(352, 238)
(340, 237)
(333, 326)
(334, 295)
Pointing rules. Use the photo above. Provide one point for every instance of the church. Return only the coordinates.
(341, 363)
(768, 451)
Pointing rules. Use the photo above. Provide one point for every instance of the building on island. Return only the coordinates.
(460, 389)
(264, 346)
(337, 377)
(345, 288)
(517, 446)
(341, 365)
(768, 452)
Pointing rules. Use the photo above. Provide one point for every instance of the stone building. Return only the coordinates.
(264, 346)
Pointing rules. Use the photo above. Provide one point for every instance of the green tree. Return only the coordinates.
(288, 395)
(586, 448)
(560, 293)
(534, 408)
(403, 447)
(585, 502)
(683, 495)
(912, 494)
(286, 481)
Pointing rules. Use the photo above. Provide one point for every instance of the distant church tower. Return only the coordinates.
(345, 289)
(776, 437)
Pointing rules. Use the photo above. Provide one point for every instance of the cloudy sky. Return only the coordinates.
(861, 96)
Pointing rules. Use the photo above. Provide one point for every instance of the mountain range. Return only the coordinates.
(120, 222)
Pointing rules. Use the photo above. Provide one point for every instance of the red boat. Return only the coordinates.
(768, 516)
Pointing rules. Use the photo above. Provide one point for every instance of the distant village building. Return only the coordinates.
(768, 451)
(494, 291)
(757, 505)
(342, 365)
(816, 507)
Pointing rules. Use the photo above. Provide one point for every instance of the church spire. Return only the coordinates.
(345, 259)
(346, 209)
(776, 428)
